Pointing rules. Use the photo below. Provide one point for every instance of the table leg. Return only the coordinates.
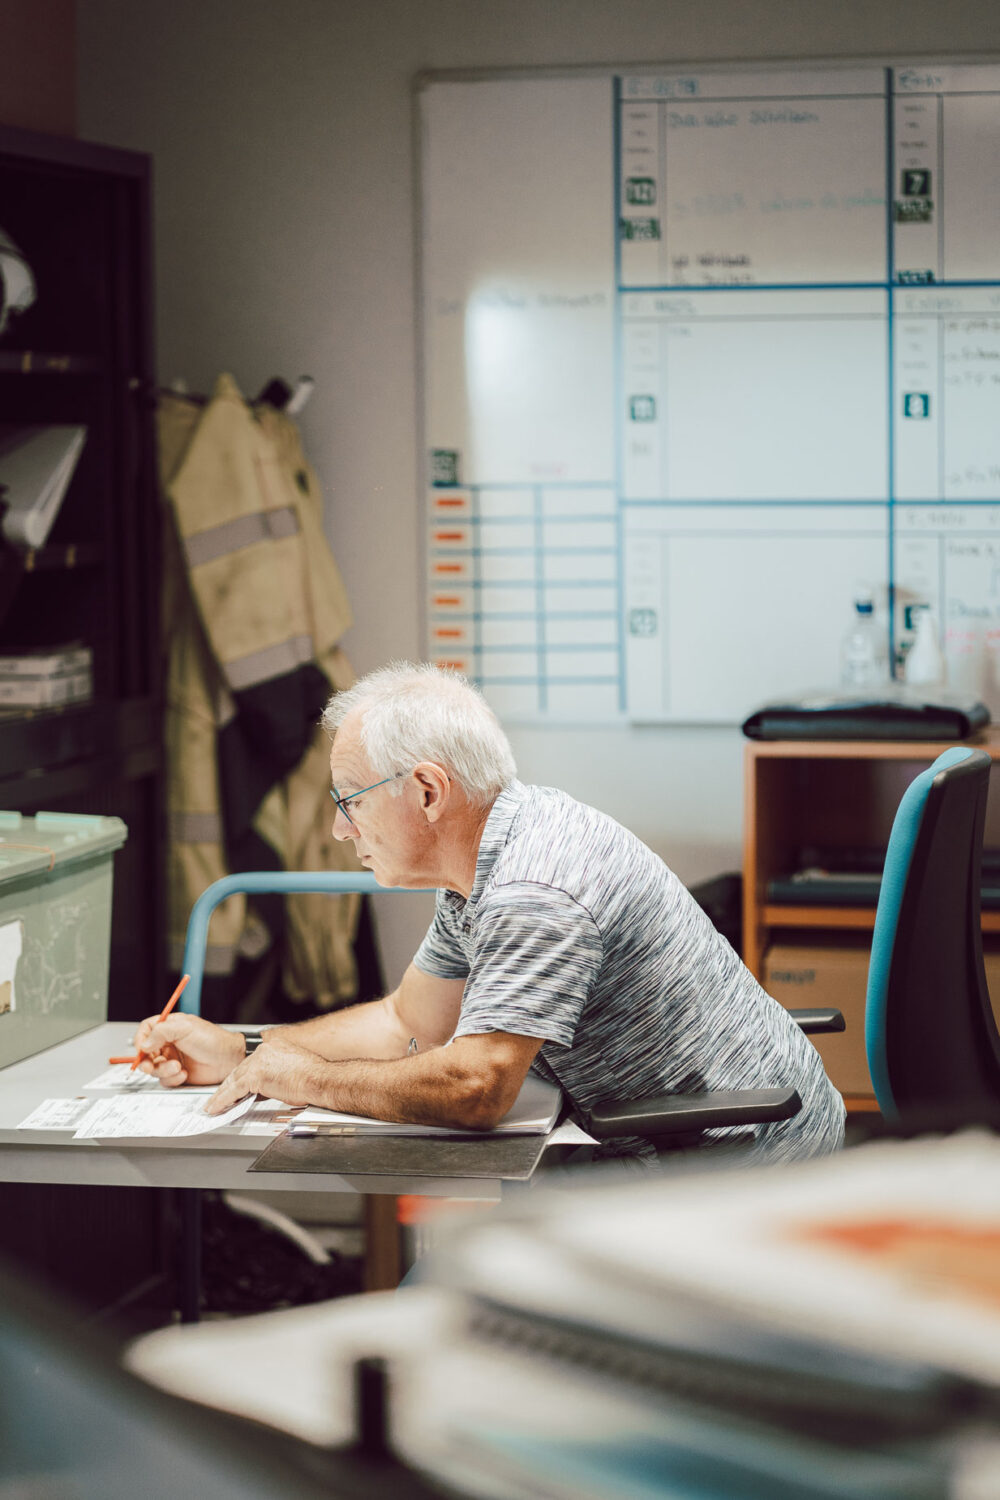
(189, 1254)
(382, 1255)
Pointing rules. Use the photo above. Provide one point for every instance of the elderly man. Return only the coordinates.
(559, 942)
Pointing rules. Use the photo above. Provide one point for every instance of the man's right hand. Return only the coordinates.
(187, 1049)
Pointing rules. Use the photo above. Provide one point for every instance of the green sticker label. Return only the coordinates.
(915, 182)
(913, 210)
(444, 466)
(639, 229)
(641, 190)
(642, 622)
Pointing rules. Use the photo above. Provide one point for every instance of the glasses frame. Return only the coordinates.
(343, 803)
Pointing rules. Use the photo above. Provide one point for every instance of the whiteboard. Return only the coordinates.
(706, 353)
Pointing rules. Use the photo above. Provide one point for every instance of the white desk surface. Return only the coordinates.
(219, 1159)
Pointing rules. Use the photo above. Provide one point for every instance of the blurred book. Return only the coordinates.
(888, 1252)
(828, 1328)
(36, 466)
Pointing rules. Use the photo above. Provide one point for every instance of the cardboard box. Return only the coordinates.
(803, 976)
(55, 927)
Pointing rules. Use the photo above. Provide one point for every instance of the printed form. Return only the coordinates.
(129, 1116)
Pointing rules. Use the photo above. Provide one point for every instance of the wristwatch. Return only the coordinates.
(252, 1040)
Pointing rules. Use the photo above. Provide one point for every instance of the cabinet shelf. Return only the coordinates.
(34, 740)
(850, 918)
(59, 556)
(38, 362)
(857, 918)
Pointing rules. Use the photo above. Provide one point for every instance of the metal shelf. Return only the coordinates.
(38, 362)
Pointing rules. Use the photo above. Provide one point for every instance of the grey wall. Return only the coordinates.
(282, 135)
(38, 65)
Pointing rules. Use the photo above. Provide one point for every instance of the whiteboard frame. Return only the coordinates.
(430, 78)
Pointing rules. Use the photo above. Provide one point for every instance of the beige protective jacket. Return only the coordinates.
(254, 609)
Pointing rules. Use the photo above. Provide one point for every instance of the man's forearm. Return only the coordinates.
(470, 1084)
(369, 1030)
(424, 1090)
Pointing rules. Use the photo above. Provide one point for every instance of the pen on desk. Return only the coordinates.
(164, 1013)
(178, 992)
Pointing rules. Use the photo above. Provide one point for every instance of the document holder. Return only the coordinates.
(500, 1157)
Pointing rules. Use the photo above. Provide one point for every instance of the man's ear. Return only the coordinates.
(434, 786)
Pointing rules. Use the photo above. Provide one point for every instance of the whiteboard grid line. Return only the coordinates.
(677, 288)
(543, 694)
(890, 246)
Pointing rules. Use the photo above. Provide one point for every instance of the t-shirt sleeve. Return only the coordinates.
(441, 952)
(538, 953)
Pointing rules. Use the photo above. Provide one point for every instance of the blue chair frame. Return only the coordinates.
(257, 882)
(930, 1036)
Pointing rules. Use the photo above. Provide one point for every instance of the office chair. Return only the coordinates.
(671, 1121)
(930, 1035)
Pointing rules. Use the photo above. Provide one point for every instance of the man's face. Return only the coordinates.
(384, 823)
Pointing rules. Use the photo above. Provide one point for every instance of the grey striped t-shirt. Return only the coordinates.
(577, 933)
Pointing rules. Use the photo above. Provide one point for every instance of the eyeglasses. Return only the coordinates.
(344, 803)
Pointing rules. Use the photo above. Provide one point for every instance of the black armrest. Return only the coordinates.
(819, 1020)
(680, 1114)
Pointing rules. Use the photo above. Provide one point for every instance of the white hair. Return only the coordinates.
(415, 711)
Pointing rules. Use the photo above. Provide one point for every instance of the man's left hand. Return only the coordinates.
(279, 1070)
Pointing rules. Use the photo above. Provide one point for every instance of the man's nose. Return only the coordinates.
(342, 828)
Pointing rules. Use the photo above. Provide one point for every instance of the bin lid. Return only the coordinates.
(49, 840)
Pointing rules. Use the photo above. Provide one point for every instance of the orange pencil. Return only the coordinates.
(164, 1013)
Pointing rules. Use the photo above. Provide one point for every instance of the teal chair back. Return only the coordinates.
(930, 1036)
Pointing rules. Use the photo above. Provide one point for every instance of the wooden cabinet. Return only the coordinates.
(82, 355)
(806, 798)
(830, 805)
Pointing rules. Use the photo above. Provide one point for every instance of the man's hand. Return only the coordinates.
(278, 1069)
(187, 1049)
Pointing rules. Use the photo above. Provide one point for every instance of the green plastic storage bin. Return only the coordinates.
(55, 927)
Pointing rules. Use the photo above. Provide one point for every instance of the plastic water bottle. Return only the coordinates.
(862, 652)
(924, 661)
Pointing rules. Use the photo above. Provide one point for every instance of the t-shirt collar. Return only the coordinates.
(495, 834)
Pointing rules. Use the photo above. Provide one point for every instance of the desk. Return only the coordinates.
(220, 1159)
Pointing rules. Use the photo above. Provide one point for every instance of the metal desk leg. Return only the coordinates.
(189, 1254)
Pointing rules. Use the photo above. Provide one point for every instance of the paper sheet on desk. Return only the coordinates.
(125, 1117)
(131, 1116)
(56, 1114)
(120, 1076)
